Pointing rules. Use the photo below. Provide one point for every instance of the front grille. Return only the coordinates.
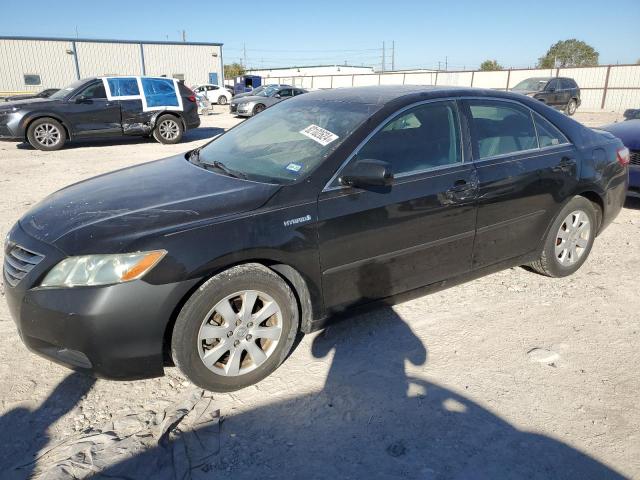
(635, 157)
(233, 107)
(18, 262)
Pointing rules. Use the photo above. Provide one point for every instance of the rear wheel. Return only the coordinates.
(235, 329)
(222, 100)
(572, 106)
(168, 130)
(46, 134)
(258, 108)
(569, 240)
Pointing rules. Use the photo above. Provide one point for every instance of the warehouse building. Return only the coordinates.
(31, 64)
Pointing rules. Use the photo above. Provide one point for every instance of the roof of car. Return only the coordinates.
(379, 95)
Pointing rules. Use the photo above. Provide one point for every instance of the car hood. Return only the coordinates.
(109, 211)
(627, 131)
(28, 102)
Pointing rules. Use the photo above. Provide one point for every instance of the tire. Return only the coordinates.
(239, 336)
(571, 107)
(568, 230)
(222, 100)
(168, 130)
(258, 108)
(46, 134)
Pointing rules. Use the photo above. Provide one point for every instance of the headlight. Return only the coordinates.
(89, 270)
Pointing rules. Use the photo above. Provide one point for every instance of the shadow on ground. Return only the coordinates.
(632, 203)
(371, 420)
(201, 133)
(24, 432)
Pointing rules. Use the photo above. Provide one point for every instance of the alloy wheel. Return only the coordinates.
(47, 134)
(573, 238)
(169, 129)
(240, 333)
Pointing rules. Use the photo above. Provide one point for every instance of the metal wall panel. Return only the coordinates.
(195, 62)
(49, 59)
(101, 59)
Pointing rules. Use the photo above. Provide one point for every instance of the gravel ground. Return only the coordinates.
(512, 375)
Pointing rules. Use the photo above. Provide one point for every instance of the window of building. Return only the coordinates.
(502, 127)
(32, 79)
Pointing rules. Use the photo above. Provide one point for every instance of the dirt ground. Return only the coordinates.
(511, 376)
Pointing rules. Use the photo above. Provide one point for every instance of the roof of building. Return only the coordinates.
(108, 40)
(338, 65)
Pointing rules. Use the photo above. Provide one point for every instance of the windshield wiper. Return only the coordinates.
(225, 169)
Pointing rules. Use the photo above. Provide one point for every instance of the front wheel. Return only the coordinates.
(168, 130)
(258, 108)
(46, 134)
(572, 106)
(236, 329)
(569, 240)
(222, 100)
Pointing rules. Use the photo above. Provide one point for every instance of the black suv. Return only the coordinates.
(102, 107)
(558, 92)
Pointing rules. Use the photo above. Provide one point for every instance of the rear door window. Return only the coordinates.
(501, 128)
(160, 92)
(123, 86)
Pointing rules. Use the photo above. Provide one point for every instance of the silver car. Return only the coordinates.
(254, 104)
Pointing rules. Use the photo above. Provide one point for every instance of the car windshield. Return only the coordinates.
(532, 84)
(63, 92)
(287, 141)
(268, 92)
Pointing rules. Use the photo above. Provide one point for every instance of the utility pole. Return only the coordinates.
(393, 55)
(446, 63)
(244, 54)
(383, 59)
(184, 35)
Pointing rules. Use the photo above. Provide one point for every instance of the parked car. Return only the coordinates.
(258, 90)
(558, 92)
(335, 199)
(629, 133)
(214, 93)
(254, 104)
(632, 114)
(102, 107)
(46, 93)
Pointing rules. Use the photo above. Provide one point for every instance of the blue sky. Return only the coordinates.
(426, 33)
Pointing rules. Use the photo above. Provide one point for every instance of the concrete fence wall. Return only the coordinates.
(611, 88)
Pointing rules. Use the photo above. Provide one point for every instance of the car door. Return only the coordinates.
(524, 177)
(212, 93)
(91, 114)
(552, 90)
(564, 92)
(378, 242)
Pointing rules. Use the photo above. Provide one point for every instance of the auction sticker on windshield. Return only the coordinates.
(319, 134)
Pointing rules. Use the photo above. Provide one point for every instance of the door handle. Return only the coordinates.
(460, 186)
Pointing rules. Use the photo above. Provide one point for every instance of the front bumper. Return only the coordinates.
(114, 331)
(10, 128)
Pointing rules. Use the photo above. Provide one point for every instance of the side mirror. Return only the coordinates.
(551, 89)
(277, 95)
(368, 173)
(82, 99)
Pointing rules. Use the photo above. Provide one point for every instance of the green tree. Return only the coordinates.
(490, 66)
(569, 53)
(233, 70)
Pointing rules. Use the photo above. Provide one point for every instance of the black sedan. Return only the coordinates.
(46, 93)
(102, 107)
(218, 258)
